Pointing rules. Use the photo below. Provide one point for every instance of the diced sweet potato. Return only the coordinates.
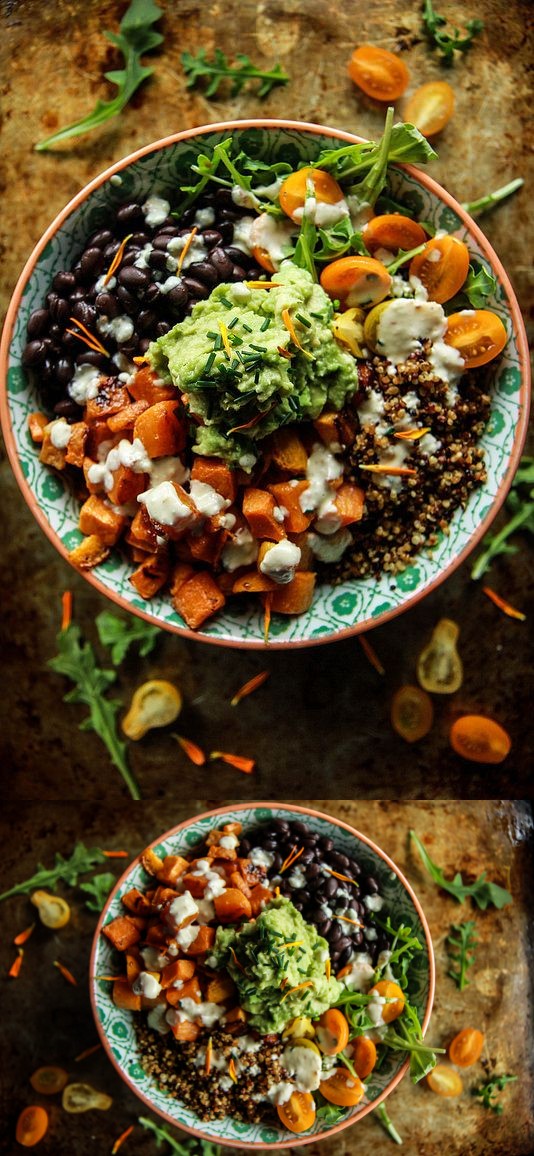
(349, 502)
(232, 906)
(157, 934)
(50, 454)
(190, 990)
(234, 1020)
(196, 884)
(179, 969)
(92, 487)
(258, 506)
(97, 517)
(173, 867)
(259, 896)
(136, 902)
(127, 417)
(185, 1031)
(307, 561)
(232, 828)
(252, 582)
(236, 880)
(220, 989)
(288, 451)
(296, 596)
(111, 398)
(162, 432)
(151, 862)
(127, 484)
(122, 932)
(89, 553)
(327, 428)
(252, 873)
(287, 495)
(203, 942)
(206, 546)
(98, 433)
(198, 599)
(163, 895)
(141, 533)
(144, 387)
(151, 575)
(36, 425)
(180, 575)
(218, 852)
(214, 472)
(134, 964)
(124, 997)
(79, 432)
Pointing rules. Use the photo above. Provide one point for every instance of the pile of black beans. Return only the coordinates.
(52, 354)
(323, 895)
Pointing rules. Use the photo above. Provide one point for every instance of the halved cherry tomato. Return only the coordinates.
(393, 231)
(363, 1056)
(268, 237)
(445, 1081)
(479, 739)
(412, 713)
(332, 1032)
(466, 1048)
(342, 1089)
(298, 1114)
(294, 190)
(49, 1080)
(32, 1125)
(371, 323)
(378, 72)
(356, 280)
(390, 991)
(442, 266)
(347, 328)
(430, 107)
(478, 336)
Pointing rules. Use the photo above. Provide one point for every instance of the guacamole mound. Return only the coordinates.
(269, 959)
(226, 357)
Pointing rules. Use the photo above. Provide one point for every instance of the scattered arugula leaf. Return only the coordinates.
(487, 1092)
(448, 42)
(407, 1036)
(329, 1113)
(120, 633)
(481, 892)
(83, 859)
(478, 287)
(520, 503)
(387, 1124)
(460, 949)
(367, 162)
(98, 890)
(490, 200)
(76, 660)
(197, 67)
(189, 1147)
(135, 37)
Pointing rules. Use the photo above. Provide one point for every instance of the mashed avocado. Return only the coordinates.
(226, 357)
(269, 959)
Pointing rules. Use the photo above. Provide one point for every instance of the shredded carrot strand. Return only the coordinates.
(299, 987)
(262, 284)
(194, 753)
(120, 1141)
(23, 936)
(502, 605)
(412, 435)
(355, 922)
(277, 891)
(88, 1052)
(231, 1071)
(285, 353)
(249, 687)
(116, 854)
(371, 654)
(267, 603)
(225, 341)
(186, 249)
(66, 973)
(286, 318)
(240, 762)
(253, 421)
(393, 471)
(295, 943)
(328, 969)
(344, 878)
(16, 965)
(109, 978)
(209, 1053)
(117, 259)
(87, 337)
(236, 961)
(140, 361)
(66, 604)
(291, 858)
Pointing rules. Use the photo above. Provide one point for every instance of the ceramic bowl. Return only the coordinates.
(116, 1027)
(337, 611)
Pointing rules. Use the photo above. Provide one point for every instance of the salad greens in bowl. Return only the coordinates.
(263, 975)
(265, 382)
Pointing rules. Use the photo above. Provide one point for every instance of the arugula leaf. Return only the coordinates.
(77, 661)
(481, 892)
(448, 42)
(329, 1113)
(408, 947)
(487, 1092)
(305, 247)
(386, 1123)
(521, 506)
(135, 37)
(99, 889)
(197, 67)
(83, 859)
(119, 634)
(460, 949)
(478, 287)
(335, 240)
(189, 1147)
(407, 1036)
(400, 143)
(491, 200)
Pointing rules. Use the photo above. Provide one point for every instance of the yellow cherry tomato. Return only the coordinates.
(445, 1081)
(430, 107)
(296, 186)
(395, 997)
(298, 1114)
(342, 1089)
(442, 266)
(347, 328)
(412, 713)
(480, 739)
(466, 1048)
(49, 1080)
(478, 336)
(439, 666)
(356, 281)
(53, 911)
(371, 323)
(378, 73)
(393, 231)
(155, 704)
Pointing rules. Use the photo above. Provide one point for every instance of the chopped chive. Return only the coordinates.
(227, 304)
(304, 320)
(212, 335)
(217, 342)
(265, 324)
(247, 328)
(231, 323)
(235, 339)
(209, 362)
(259, 348)
(312, 314)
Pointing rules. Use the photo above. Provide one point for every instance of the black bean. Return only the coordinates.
(221, 262)
(134, 280)
(107, 303)
(111, 250)
(269, 842)
(281, 826)
(312, 870)
(162, 327)
(304, 895)
(196, 288)
(204, 272)
(38, 323)
(144, 344)
(345, 956)
(211, 237)
(128, 214)
(91, 357)
(34, 353)
(336, 931)
(77, 295)
(343, 943)
(129, 348)
(81, 277)
(138, 240)
(146, 320)
(237, 256)
(334, 957)
(92, 262)
(60, 311)
(354, 868)
(226, 229)
(324, 927)
(228, 216)
(161, 241)
(171, 228)
(85, 313)
(128, 303)
(157, 259)
(370, 885)
(52, 299)
(69, 342)
(357, 937)
(337, 860)
(66, 408)
(101, 239)
(307, 856)
(223, 197)
(325, 843)
(299, 828)
(285, 887)
(277, 862)
(129, 258)
(310, 840)
(238, 273)
(245, 848)
(64, 370)
(64, 282)
(330, 887)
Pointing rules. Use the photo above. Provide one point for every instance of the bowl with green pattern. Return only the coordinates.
(117, 1027)
(339, 608)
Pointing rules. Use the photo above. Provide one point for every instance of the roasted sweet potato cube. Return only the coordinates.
(206, 546)
(349, 502)
(50, 454)
(151, 862)
(196, 884)
(288, 451)
(190, 990)
(134, 964)
(234, 1020)
(179, 969)
(259, 896)
(185, 1031)
(220, 988)
(97, 517)
(127, 484)
(136, 902)
(122, 932)
(162, 432)
(232, 906)
(252, 582)
(163, 895)
(326, 426)
(92, 487)
(75, 454)
(258, 506)
(141, 534)
(126, 418)
(151, 575)
(36, 425)
(124, 997)
(237, 880)
(157, 934)
(253, 873)
(214, 472)
(287, 496)
(89, 553)
(144, 387)
(110, 398)
(173, 867)
(198, 599)
(99, 432)
(218, 852)
(203, 942)
(296, 596)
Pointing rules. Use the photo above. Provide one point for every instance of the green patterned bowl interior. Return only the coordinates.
(117, 1026)
(336, 610)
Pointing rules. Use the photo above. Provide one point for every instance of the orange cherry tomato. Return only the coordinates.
(445, 1081)
(356, 280)
(412, 713)
(430, 107)
(332, 1032)
(363, 1056)
(32, 1125)
(479, 739)
(479, 336)
(294, 190)
(390, 991)
(268, 238)
(49, 1080)
(466, 1048)
(342, 1089)
(378, 72)
(298, 1113)
(442, 266)
(393, 231)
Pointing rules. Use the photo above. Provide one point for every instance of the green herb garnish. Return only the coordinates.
(189, 1147)
(404, 947)
(490, 200)
(487, 1092)
(98, 890)
(77, 661)
(218, 69)
(82, 860)
(135, 37)
(119, 634)
(460, 949)
(482, 893)
(520, 503)
(387, 1124)
(448, 42)
(329, 1113)
(407, 1036)
(364, 165)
